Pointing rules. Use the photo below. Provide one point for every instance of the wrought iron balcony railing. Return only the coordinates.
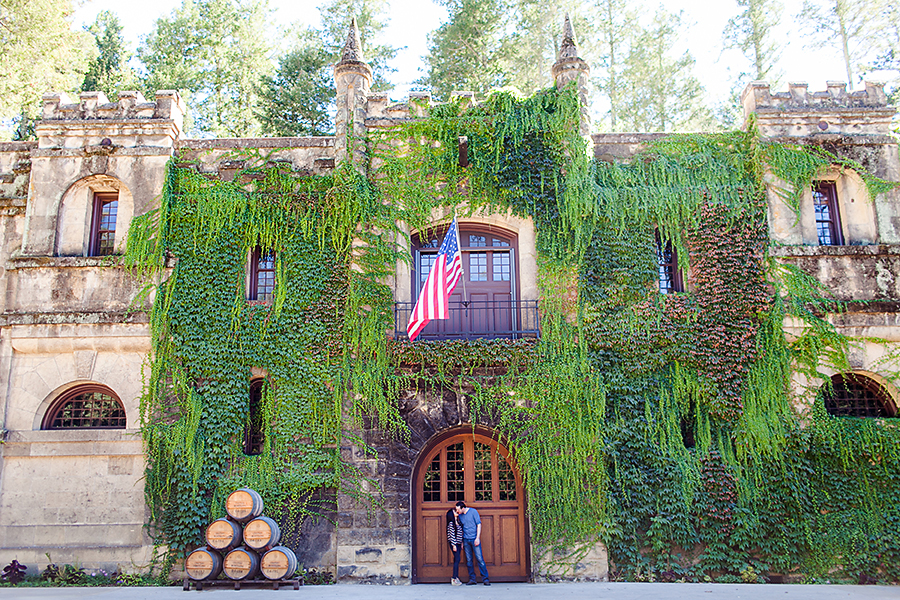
(484, 319)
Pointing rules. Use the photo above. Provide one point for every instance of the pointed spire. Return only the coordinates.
(352, 47)
(568, 48)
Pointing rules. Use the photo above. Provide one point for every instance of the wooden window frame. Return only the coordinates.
(828, 190)
(70, 395)
(255, 258)
(675, 278)
(880, 395)
(101, 199)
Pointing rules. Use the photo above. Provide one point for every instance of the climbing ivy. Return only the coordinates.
(665, 426)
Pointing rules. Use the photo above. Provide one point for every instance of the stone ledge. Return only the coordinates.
(286, 143)
(73, 442)
(63, 262)
(824, 251)
(17, 146)
(74, 318)
(116, 152)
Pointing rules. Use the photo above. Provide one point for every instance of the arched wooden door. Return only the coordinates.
(474, 468)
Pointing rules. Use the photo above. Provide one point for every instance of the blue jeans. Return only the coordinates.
(456, 557)
(470, 548)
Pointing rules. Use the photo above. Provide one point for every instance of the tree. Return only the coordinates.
(108, 72)
(855, 27)
(532, 46)
(753, 33)
(296, 100)
(40, 53)
(215, 51)
(617, 26)
(466, 52)
(659, 91)
(371, 19)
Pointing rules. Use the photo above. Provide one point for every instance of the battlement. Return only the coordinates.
(380, 112)
(130, 105)
(798, 112)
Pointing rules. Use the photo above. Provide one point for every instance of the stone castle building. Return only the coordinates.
(72, 342)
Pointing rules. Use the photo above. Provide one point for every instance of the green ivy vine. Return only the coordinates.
(664, 426)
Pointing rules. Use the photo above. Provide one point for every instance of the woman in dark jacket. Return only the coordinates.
(454, 537)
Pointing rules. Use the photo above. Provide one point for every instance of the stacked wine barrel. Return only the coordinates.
(243, 544)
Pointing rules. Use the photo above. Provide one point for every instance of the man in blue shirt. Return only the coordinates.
(471, 526)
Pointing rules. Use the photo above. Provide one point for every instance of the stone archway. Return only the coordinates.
(462, 464)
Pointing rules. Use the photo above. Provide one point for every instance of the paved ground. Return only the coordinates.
(498, 591)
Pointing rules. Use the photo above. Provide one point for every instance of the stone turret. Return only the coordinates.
(353, 80)
(570, 67)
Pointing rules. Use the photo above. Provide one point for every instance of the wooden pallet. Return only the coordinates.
(237, 584)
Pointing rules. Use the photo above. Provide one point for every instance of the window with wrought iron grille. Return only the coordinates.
(253, 430)
(828, 218)
(670, 280)
(103, 224)
(86, 407)
(855, 395)
(262, 275)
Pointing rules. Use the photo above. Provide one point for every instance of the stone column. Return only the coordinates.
(353, 80)
(569, 67)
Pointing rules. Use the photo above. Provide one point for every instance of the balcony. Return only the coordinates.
(476, 319)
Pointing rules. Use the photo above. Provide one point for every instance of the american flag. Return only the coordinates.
(442, 279)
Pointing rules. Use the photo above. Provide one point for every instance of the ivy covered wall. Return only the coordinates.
(664, 426)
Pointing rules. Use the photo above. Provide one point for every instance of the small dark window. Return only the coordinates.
(855, 395)
(262, 275)
(828, 218)
(103, 224)
(86, 407)
(670, 280)
(253, 431)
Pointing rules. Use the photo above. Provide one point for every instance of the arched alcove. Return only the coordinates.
(79, 220)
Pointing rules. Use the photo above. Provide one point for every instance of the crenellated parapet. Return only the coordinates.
(801, 113)
(381, 112)
(93, 120)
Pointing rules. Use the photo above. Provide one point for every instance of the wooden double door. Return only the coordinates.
(478, 470)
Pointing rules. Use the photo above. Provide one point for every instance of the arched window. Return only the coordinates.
(103, 224)
(253, 430)
(86, 407)
(855, 395)
(485, 302)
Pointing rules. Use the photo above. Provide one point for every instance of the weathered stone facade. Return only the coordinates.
(67, 317)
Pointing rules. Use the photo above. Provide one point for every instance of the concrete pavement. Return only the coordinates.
(498, 591)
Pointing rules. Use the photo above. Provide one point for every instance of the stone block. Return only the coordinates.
(368, 555)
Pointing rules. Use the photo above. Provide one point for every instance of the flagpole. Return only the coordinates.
(462, 267)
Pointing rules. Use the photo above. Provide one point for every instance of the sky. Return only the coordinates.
(411, 20)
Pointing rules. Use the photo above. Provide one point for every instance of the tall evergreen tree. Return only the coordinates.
(39, 52)
(617, 26)
(215, 51)
(108, 72)
(297, 99)
(854, 27)
(466, 52)
(532, 43)
(753, 33)
(659, 91)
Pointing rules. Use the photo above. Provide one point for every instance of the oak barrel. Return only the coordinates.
(262, 533)
(203, 563)
(243, 505)
(224, 535)
(278, 563)
(241, 563)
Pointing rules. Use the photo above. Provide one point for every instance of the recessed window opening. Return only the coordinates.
(103, 223)
(262, 275)
(253, 430)
(670, 280)
(828, 219)
(855, 395)
(86, 407)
